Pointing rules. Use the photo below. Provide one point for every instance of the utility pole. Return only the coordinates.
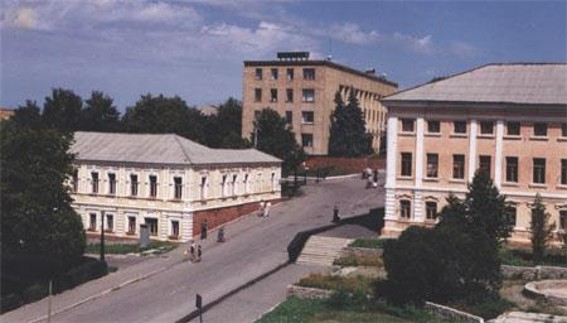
(199, 305)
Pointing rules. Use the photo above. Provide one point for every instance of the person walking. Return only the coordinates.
(220, 234)
(192, 251)
(261, 208)
(267, 209)
(336, 218)
(204, 228)
(199, 253)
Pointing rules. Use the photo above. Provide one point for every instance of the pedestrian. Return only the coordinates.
(220, 234)
(336, 218)
(204, 228)
(261, 208)
(192, 251)
(369, 181)
(199, 253)
(267, 209)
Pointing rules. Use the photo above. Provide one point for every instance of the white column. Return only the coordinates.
(472, 149)
(417, 200)
(392, 143)
(498, 153)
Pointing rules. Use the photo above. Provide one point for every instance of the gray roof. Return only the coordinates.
(526, 83)
(158, 149)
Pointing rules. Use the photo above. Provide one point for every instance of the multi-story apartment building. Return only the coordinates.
(510, 119)
(167, 182)
(303, 91)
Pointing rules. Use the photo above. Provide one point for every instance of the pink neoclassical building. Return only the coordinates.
(510, 119)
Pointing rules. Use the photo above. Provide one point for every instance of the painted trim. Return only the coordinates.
(392, 152)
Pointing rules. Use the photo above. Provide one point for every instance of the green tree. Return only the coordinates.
(348, 136)
(28, 115)
(273, 137)
(62, 110)
(100, 114)
(37, 218)
(541, 229)
(224, 129)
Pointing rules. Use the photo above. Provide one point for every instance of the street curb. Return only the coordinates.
(95, 296)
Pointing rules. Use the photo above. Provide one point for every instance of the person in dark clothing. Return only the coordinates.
(204, 228)
(220, 234)
(199, 253)
(336, 218)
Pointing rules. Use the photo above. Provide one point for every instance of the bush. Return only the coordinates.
(486, 305)
(352, 260)
(368, 243)
(35, 292)
(349, 284)
(342, 298)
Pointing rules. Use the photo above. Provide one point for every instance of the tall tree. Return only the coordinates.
(224, 129)
(100, 114)
(541, 229)
(273, 137)
(62, 110)
(28, 115)
(348, 137)
(37, 218)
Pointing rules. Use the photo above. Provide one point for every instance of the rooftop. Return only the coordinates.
(515, 83)
(168, 149)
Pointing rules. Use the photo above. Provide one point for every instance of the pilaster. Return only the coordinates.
(498, 153)
(472, 148)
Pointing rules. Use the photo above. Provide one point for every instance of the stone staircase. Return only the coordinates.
(321, 250)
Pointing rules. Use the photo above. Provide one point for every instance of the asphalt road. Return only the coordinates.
(254, 246)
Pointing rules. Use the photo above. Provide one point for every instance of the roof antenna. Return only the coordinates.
(330, 49)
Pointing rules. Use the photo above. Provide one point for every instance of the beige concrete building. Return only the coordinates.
(167, 182)
(6, 113)
(303, 91)
(510, 119)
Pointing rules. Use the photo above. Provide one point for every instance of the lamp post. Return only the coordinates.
(102, 236)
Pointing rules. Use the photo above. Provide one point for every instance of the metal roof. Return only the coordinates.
(518, 83)
(158, 149)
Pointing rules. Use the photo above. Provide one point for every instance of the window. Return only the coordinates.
(257, 95)
(153, 186)
(133, 185)
(563, 220)
(484, 163)
(92, 221)
(289, 95)
(94, 178)
(274, 182)
(539, 171)
(458, 166)
(309, 73)
(289, 73)
(258, 74)
(308, 95)
(512, 169)
(460, 127)
(289, 117)
(178, 191)
(407, 125)
(152, 225)
(111, 184)
(431, 210)
(175, 229)
(564, 130)
(564, 171)
(406, 164)
(512, 216)
(307, 117)
(203, 187)
(224, 185)
(109, 223)
(486, 127)
(540, 129)
(307, 139)
(513, 129)
(131, 224)
(273, 95)
(405, 209)
(246, 183)
(274, 73)
(75, 180)
(432, 165)
(433, 126)
(234, 184)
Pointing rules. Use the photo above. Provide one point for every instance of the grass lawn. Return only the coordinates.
(125, 248)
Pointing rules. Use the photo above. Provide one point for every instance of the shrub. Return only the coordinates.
(353, 260)
(486, 305)
(368, 243)
(35, 292)
(350, 284)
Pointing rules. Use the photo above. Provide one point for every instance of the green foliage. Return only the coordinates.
(37, 218)
(274, 138)
(523, 257)
(62, 110)
(488, 305)
(541, 229)
(224, 129)
(350, 284)
(354, 261)
(348, 137)
(100, 114)
(123, 248)
(368, 243)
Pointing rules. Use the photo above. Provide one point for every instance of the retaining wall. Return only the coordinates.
(451, 314)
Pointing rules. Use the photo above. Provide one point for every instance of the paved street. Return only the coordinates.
(254, 246)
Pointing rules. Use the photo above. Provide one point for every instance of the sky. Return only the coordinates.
(196, 49)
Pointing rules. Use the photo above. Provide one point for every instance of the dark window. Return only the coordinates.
(307, 117)
(564, 130)
(75, 180)
(289, 95)
(152, 226)
(512, 169)
(458, 166)
(274, 95)
(309, 73)
(484, 163)
(563, 220)
(407, 125)
(433, 126)
(431, 210)
(513, 129)
(406, 164)
(274, 73)
(486, 127)
(175, 229)
(94, 178)
(307, 139)
(564, 171)
(153, 186)
(178, 187)
(289, 117)
(203, 187)
(290, 73)
(111, 184)
(234, 184)
(539, 171)
(133, 185)
(405, 209)
(224, 185)
(512, 216)
(131, 224)
(432, 165)
(258, 74)
(460, 127)
(540, 129)
(92, 221)
(109, 223)
(308, 95)
(258, 95)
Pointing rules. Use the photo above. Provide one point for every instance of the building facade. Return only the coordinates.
(167, 182)
(303, 91)
(510, 119)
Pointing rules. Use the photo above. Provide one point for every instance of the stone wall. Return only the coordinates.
(534, 273)
(307, 292)
(451, 314)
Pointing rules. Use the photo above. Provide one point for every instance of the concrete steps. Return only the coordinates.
(322, 251)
